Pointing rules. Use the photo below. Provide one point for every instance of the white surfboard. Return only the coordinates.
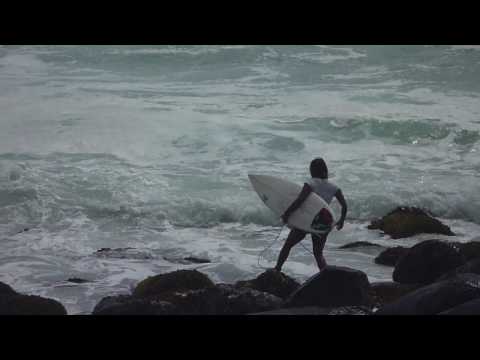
(278, 194)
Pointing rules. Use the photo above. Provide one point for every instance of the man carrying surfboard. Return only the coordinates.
(320, 185)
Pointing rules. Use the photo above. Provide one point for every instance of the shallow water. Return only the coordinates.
(149, 147)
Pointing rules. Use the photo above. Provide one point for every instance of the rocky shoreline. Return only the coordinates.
(432, 277)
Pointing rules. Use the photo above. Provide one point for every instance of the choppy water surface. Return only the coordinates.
(149, 147)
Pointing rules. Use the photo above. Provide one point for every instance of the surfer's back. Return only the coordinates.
(319, 181)
(323, 188)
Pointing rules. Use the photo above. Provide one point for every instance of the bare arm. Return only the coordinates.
(306, 190)
(341, 200)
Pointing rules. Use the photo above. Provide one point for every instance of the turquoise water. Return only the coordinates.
(149, 147)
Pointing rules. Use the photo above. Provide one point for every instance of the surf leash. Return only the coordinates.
(271, 244)
(268, 247)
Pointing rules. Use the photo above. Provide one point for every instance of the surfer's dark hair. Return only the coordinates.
(318, 168)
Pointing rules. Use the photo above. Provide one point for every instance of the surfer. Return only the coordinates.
(326, 190)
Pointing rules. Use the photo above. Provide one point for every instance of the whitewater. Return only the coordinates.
(147, 149)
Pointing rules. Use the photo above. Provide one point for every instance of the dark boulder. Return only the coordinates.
(13, 303)
(223, 299)
(273, 282)
(29, 305)
(435, 298)
(245, 300)
(207, 301)
(470, 250)
(426, 261)
(334, 286)
(384, 292)
(180, 280)
(472, 267)
(6, 290)
(129, 305)
(409, 221)
(218, 300)
(471, 307)
(357, 244)
(390, 256)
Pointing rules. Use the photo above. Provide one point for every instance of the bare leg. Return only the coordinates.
(318, 242)
(294, 238)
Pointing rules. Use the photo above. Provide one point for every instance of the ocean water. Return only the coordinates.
(149, 147)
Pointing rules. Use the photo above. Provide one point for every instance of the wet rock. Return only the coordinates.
(315, 310)
(273, 282)
(435, 298)
(222, 299)
(13, 303)
(468, 308)
(6, 290)
(409, 221)
(77, 280)
(334, 286)
(470, 250)
(351, 310)
(472, 267)
(427, 261)
(357, 244)
(390, 256)
(384, 292)
(197, 260)
(129, 305)
(30, 305)
(180, 280)
(111, 301)
(227, 300)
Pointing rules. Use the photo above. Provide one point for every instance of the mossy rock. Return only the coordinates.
(222, 299)
(272, 282)
(181, 280)
(129, 305)
(409, 221)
